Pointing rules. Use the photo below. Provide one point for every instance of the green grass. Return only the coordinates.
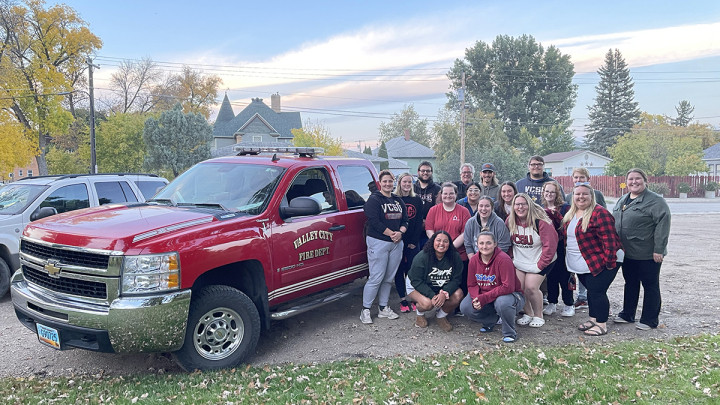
(683, 370)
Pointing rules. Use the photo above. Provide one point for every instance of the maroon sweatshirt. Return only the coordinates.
(492, 280)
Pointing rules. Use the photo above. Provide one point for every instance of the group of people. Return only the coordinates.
(491, 251)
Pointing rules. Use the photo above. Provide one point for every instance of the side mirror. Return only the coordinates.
(43, 212)
(301, 206)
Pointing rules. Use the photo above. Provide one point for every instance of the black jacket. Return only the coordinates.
(382, 213)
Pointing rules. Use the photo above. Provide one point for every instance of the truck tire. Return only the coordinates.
(5, 275)
(223, 329)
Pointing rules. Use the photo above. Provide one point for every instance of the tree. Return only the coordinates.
(408, 119)
(367, 150)
(383, 153)
(485, 142)
(615, 110)
(132, 84)
(555, 139)
(519, 81)
(659, 148)
(315, 134)
(191, 88)
(176, 140)
(684, 114)
(64, 162)
(17, 146)
(42, 52)
(120, 144)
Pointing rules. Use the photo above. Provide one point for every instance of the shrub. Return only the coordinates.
(659, 188)
(684, 188)
(711, 186)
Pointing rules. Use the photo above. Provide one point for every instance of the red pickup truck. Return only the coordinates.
(228, 246)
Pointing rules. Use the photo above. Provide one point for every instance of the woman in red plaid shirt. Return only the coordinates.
(591, 252)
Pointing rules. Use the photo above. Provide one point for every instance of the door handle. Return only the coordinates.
(337, 228)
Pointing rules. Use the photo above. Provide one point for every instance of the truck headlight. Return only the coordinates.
(150, 273)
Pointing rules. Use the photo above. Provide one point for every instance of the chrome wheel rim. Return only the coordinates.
(218, 333)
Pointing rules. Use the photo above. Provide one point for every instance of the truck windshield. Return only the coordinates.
(237, 187)
(14, 198)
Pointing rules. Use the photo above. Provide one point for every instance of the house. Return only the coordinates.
(21, 172)
(712, 159)
(410, 152)
(394, 165)
(257, 123)
(562, 163)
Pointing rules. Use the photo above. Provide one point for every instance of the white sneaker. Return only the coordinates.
(568, 311)
(550, 309)
(365, 316)
(388, 313)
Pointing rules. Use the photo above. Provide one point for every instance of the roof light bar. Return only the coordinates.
(303, 151)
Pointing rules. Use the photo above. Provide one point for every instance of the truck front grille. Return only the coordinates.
(82, 288)
(66, 257)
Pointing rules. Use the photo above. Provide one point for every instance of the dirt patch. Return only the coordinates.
(689, 283)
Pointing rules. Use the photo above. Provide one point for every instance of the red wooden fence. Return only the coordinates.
(610, 185)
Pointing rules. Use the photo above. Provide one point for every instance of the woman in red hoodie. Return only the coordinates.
(494, 290)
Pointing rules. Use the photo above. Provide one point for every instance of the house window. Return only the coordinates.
(717, 170)
(10, 175)
(257, 138)
(20, 173)
(30, 173)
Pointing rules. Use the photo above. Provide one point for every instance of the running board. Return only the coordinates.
(309, 306)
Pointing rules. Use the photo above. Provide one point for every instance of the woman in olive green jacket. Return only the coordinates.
(642, 219)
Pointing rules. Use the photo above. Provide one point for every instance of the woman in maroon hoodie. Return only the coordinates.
(494, 290)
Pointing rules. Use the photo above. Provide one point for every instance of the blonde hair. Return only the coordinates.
(398, 190)
(559, 198)
(573, 208)
(534, 212)
(583, 171)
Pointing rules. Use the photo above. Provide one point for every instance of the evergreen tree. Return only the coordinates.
(684, 114)
(615, 110)
(367, 150)
(382, 152)
(176, 140)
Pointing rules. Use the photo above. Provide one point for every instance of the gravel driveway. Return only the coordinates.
(689, 282)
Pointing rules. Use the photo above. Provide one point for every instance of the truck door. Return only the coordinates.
(305, 249)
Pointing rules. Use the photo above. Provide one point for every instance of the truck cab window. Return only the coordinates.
(314, 183)
(114, 192)
(357, 185)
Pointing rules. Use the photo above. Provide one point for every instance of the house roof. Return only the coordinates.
(355, 154)
(230, 149)
(399, 148)
(226, 112)
(712, 152)
(562, 156)
(282, 122)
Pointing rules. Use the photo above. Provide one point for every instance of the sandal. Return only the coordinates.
(587, 325)
(596, 332)
(537, 322)
(526, 319)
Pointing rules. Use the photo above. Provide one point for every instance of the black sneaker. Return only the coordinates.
(458, 312)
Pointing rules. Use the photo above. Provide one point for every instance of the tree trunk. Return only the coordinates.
(41, 162)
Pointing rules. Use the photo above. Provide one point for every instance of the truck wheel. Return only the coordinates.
(223, 328)
(4, 278)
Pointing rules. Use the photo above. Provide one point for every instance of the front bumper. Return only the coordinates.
(153, 323)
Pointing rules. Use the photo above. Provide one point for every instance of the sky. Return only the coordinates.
(351, 65)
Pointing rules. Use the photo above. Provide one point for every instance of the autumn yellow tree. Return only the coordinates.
(318, 135)
(42, 52)
(195, 91)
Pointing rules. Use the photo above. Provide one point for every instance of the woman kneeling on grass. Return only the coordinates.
(494, 290)
(434, 280)
(591, 252)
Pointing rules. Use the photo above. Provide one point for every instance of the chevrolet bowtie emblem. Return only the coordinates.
(52, 269)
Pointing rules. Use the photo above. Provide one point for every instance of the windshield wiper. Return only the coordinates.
(203, 205)
(161, 201)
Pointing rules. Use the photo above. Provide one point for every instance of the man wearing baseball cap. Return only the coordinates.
(489, 185)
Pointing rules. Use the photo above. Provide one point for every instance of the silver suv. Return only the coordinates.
(33, 198)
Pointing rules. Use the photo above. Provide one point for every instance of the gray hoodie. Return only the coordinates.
(496, 226)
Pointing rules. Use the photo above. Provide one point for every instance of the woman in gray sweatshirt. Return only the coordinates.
(486, 219)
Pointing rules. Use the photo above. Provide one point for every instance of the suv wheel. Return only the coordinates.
(223, 328)
(5, 275)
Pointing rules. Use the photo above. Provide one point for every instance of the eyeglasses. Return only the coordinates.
(521, 204)
(467, 172)
(473, 190)
(425, 171)
(537, 164)
(582, 183)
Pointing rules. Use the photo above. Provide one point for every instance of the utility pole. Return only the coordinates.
(93, 158)
(462, 120)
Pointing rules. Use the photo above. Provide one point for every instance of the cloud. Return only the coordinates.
(644, 48)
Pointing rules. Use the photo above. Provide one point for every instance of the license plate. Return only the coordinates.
(49, 336)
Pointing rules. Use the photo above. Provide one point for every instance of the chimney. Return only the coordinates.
(407, 134)
(275, 102)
